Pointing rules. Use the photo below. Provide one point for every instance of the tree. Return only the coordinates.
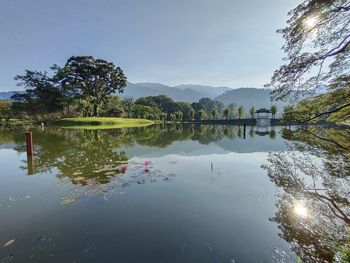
(43, 94)
(214, 113)
(209, 105)
(145, 112)
(317, 41)
(233, 110)
(226, 112)
(112, 107)
(6, 109)
(186, 109)
(128, 105)
(202, 115)
(240, 112)
(178, 115)
(317, 35)
(273, 111)
(333, 106)
(192, 113)
(91, 79)
(252, 112)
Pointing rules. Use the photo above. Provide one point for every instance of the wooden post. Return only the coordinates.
(29, 143)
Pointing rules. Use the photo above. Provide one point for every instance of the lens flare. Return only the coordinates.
(311, 21)
(300, 209)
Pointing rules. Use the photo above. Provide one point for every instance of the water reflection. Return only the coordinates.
(224, 203)
(314, 202)
(96, 154)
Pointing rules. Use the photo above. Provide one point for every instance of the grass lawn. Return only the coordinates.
(101, 123)
(15, 122)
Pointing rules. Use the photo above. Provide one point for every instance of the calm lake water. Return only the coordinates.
(209, 194)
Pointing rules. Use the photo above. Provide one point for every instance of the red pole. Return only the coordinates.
(29, 142)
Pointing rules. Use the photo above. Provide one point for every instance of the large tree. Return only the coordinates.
(92, 79)
(317, 45)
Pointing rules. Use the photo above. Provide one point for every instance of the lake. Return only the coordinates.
(175, 193)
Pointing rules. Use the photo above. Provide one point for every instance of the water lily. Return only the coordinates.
(146, 163)
(124, 167)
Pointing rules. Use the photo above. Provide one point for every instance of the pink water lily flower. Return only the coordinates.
(124, 167)
(146, 163)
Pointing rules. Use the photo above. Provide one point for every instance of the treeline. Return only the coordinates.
(159, 107)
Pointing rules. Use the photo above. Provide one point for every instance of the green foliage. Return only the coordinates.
(333, 106)
(240, 112)
(112, 107)
(214, 113)
(84, 84)
(186, 109)
(273, 111)
(233, 110)
(93, 80)
(252, 112)
(145, 112)
(42, 96)
(226, 112)
(6, 110)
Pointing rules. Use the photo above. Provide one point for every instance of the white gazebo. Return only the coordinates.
(263, 117)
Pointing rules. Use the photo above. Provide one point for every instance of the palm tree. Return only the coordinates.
(240, 112)
(273, 111)
(252, 111)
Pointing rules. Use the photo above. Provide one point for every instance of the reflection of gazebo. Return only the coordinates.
(263, 117)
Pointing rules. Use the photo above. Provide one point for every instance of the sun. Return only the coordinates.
(311, 21)
(300, 209)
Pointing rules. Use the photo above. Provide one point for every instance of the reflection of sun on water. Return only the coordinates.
(300, 209)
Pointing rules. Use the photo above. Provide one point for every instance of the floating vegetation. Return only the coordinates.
(109, 179)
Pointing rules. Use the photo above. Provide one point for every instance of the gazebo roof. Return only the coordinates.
(262, 110)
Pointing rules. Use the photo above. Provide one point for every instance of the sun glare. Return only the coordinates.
(311, 21)
(300, 210)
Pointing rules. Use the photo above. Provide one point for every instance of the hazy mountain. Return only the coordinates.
(137, 90)
(248, 97)
(210, 91)
(6, 95)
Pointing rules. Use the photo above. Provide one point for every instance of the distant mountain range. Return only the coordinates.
(6, 95)
(189, 93)
(247, 97)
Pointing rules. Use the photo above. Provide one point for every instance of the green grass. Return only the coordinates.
(15, 122)
(101, 123)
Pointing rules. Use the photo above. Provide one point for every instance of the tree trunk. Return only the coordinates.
(95, 113)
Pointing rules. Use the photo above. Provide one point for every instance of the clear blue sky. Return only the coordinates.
(213, 42)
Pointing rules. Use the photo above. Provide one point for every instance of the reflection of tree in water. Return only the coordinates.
(94, 154)
(314, 204)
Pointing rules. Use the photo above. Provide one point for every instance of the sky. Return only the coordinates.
(210, 42)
